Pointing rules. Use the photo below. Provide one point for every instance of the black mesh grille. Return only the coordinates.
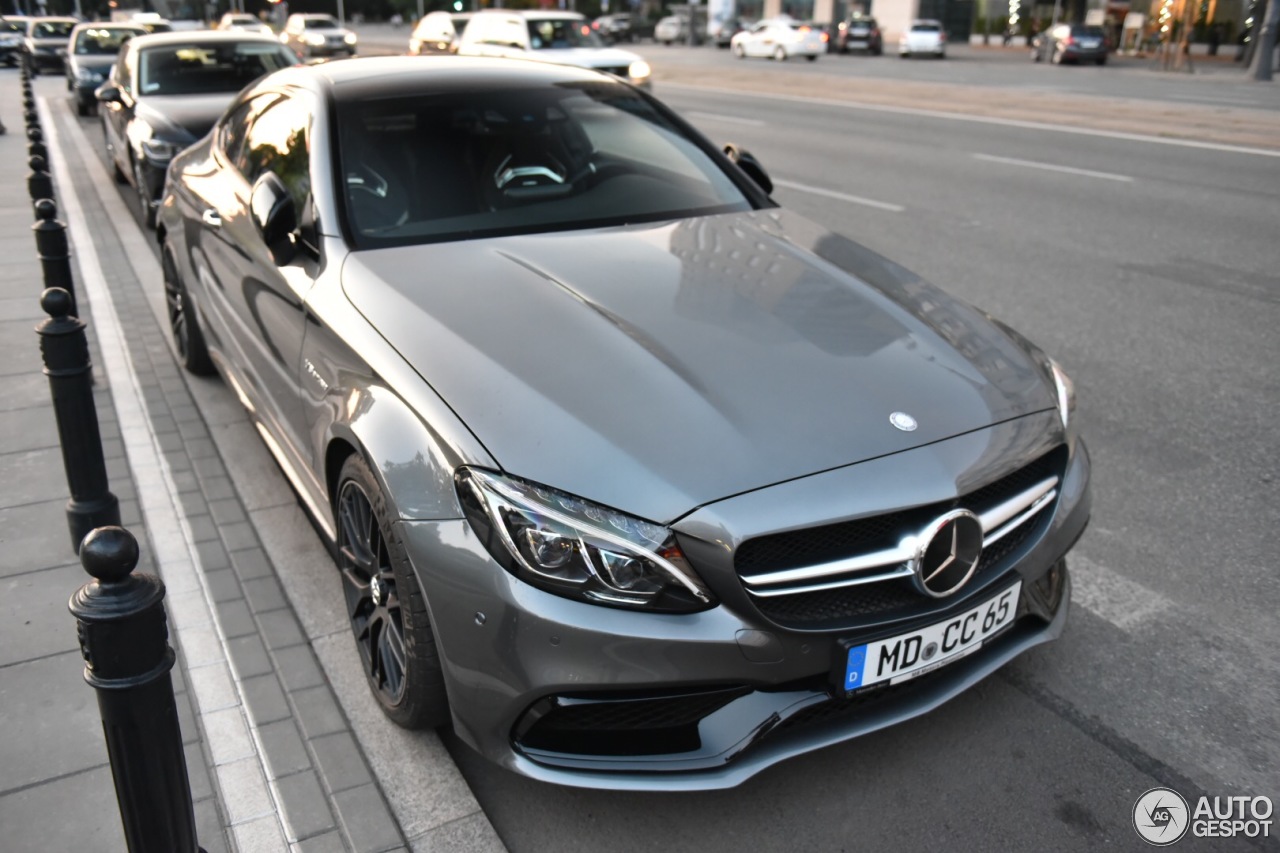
(630, 726)
(839, 608)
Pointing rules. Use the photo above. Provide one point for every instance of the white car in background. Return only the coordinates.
(780, 39)
(565, 38)
(926, 37)
(243, 23)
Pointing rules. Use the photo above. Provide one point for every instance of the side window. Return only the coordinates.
(234, 126)
(278, 141)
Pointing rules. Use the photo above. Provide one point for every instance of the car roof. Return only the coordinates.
(541, 15)
(109, 25)
(390, 76)
(199, 37)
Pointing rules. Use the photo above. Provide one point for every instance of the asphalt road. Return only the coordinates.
(1151, 272)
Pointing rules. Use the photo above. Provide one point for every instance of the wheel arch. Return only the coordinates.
(412, 463)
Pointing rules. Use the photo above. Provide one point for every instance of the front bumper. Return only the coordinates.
(589, 696)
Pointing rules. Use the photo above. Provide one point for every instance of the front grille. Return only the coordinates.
(655, 725)
(891, 598)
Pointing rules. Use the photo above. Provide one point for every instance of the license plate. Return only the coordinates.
(857, 42)
(908, 656)
(1089, 43)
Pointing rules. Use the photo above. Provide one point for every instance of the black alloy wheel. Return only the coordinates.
(187, 337)
(387, 611)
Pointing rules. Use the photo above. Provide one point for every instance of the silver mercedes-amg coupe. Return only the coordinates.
(635, 478)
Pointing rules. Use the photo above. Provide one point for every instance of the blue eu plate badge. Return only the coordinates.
(853, 671)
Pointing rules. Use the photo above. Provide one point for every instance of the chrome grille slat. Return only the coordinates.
(997, 522)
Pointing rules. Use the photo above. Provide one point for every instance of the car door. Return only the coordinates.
(761, 41)
(260, 305)
(117, 114)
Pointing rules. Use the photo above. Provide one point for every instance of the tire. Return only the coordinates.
(1056, 59)
(780, 54)
(144, 199)
(1035, 55)
(1102, 60)
(82, 109)
(739, 51)
(387, 610)
(185, 328)
(813, 57)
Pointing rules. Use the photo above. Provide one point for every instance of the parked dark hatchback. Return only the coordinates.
(93, 50)
(46, 42)
(859, 32)
(637, 479)
(165, 92)
(1071, 43)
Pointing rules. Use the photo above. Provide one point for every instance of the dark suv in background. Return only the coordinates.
(858, 32)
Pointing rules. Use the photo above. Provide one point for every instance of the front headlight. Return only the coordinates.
(639, 70)
(578, 549)
(349, 38)
(313, 39)
(160, 150)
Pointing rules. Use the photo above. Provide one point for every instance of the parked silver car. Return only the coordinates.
(638, 479)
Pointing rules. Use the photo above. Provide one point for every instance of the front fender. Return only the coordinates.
(408, 458)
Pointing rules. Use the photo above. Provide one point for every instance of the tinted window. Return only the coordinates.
(924, 28)
(195, 69)
(52, 29)
(102, 41)
(451, 166)
(278, 142)
(12, 27)
(555, 34)
(320, 23)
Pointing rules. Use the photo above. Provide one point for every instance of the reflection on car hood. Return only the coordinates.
(655, 368)
(94, 62)
(192, 114)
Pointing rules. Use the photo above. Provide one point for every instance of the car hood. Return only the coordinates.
(93, 61)
(584, 57)
(192, 115)
(655, 368)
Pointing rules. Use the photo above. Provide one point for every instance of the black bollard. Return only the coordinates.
(39, 183)
(51, 248)
(124, 638)
(36, 147)
(66, 362)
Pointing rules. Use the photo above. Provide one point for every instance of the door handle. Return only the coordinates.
(211, 218)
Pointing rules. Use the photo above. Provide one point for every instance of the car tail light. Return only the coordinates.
(875, 31)
(1068, 40)
(942, 36)
(803, 29)
(825, 37)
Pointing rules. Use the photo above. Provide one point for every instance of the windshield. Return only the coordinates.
(320, 23)
(196, 69)
(925, 28)
(241, 20)
(103, 41)
(426, 168)
(52, 29)
(556, 34)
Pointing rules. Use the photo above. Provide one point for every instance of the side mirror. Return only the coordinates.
(272, 210)
(749, 164)
(108, 93)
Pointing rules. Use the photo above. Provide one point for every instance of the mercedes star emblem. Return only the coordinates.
(903, 421)
(948, 555)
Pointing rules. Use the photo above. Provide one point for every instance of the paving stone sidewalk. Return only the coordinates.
(274, 762)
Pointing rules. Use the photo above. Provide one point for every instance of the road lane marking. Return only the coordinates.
(1213, 100)
(1051, 167)
(1113, 597)
(851, 199)
(749, 122)
(1002, 122)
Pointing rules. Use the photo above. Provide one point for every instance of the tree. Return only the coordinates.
(1264, 56)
